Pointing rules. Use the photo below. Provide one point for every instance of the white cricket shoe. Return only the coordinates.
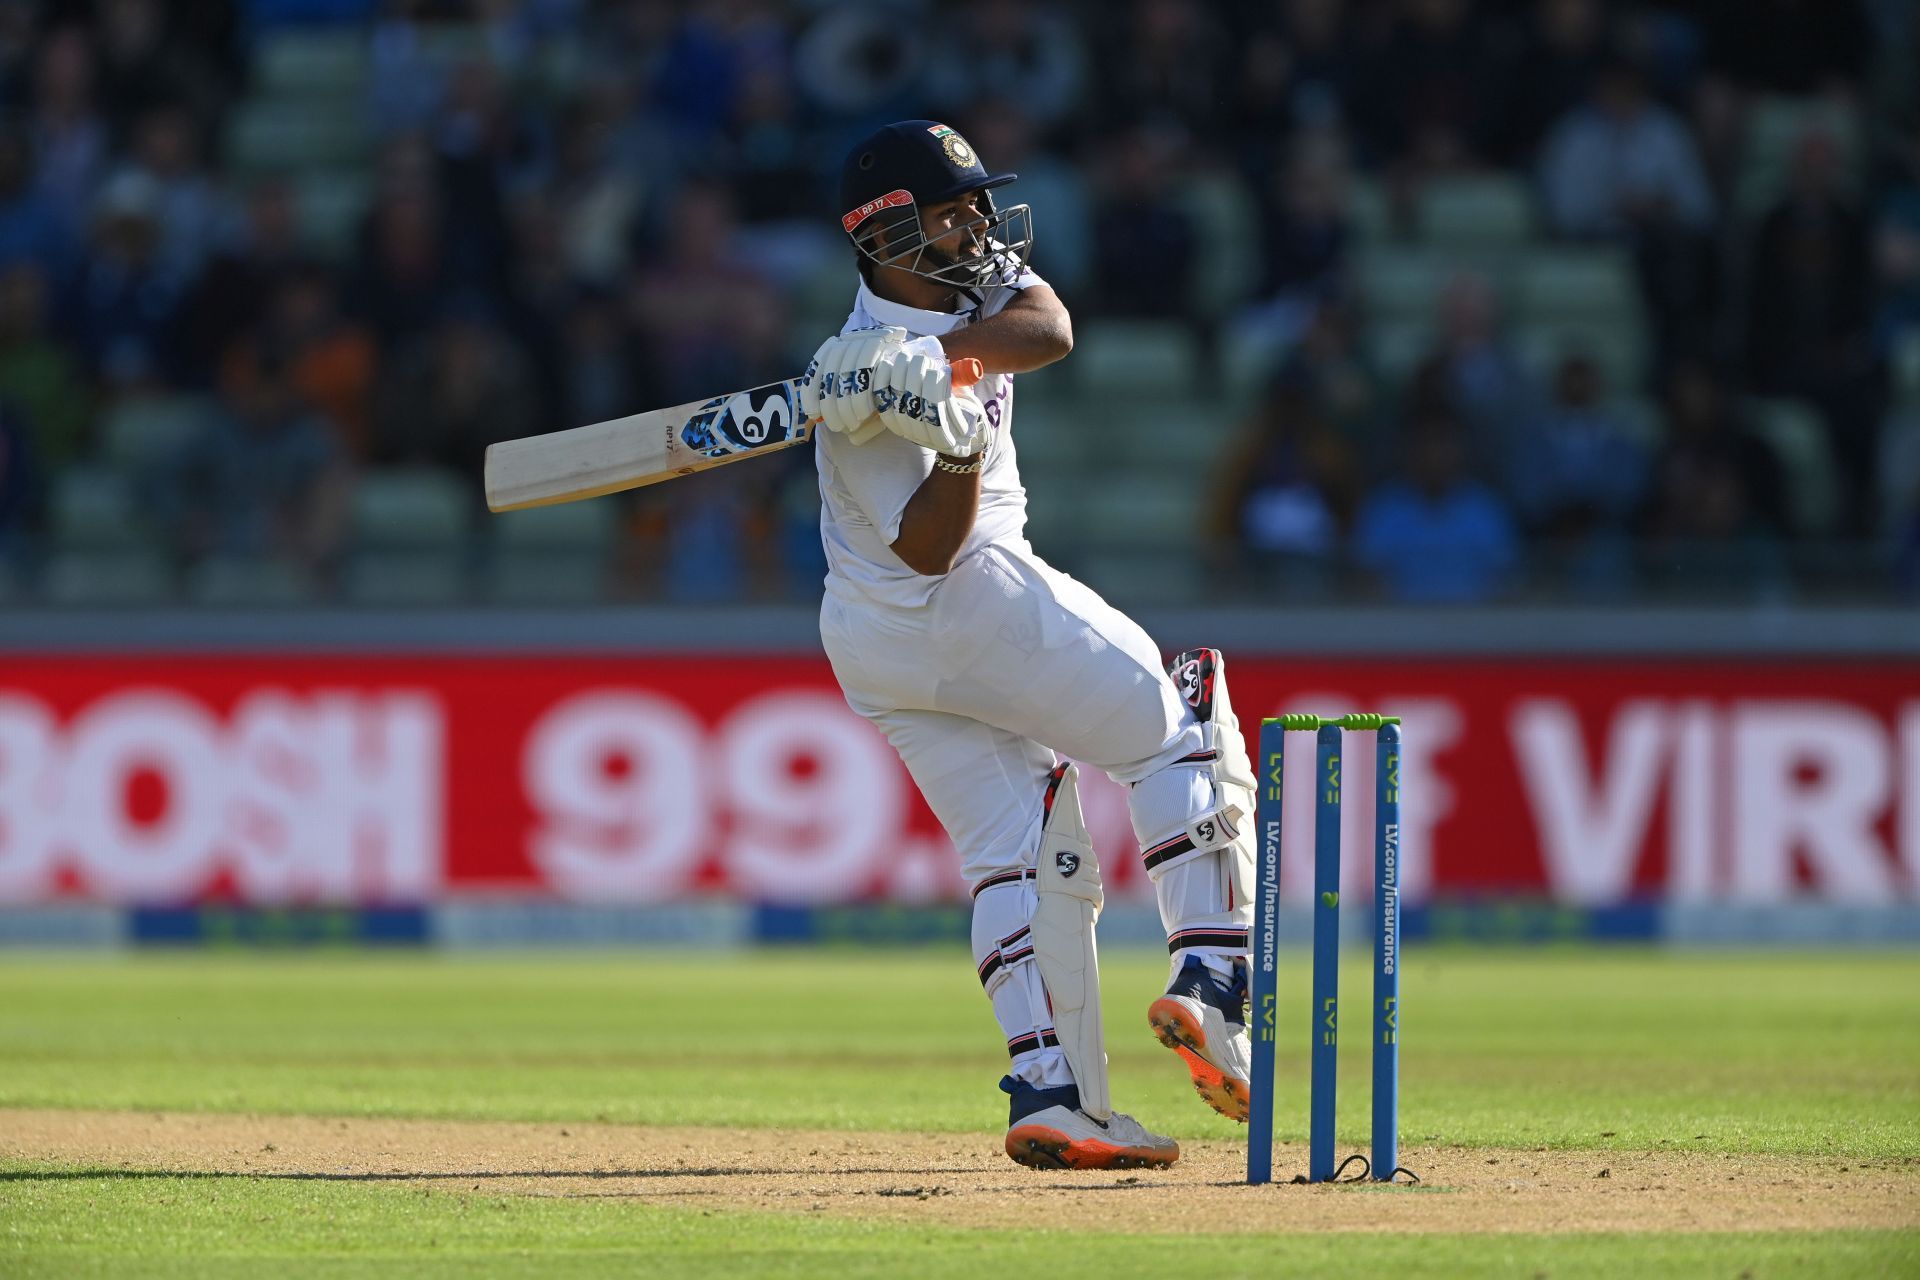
(1192, 1020)
(1067, 1138)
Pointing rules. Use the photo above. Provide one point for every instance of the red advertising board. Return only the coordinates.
(643, 779)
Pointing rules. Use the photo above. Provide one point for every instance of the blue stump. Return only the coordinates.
(1265, 996)
(1326, 953)
(1386, 953)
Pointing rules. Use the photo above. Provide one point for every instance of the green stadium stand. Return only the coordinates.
(235, 581)
(1154, 435)
(1145, 577)
(93, 509)
(413, 509)
(316, 64)
(99, 578)
(1641, 418)
(332, 204)
(1576, 284)
(294, 135)
(1398, 346)
(545, 578)
(1479, 212)
(1146, 356)
(1132, 512)
(571, 527)
(403, 579)
(138, 434)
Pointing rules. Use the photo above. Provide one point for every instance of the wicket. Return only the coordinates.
(1324, 1022)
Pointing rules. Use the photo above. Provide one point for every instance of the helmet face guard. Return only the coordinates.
(887, 233)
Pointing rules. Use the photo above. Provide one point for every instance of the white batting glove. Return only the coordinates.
(918, 402)
(840, 382)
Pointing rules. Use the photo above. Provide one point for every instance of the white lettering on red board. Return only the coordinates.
(148, 795)
(1765, 799)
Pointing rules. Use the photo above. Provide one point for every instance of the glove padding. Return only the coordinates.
(917, 401)
(840, 383)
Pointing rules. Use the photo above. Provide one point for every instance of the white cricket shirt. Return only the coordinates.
(864, 488)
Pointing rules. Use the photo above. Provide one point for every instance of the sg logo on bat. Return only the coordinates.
(742, 422)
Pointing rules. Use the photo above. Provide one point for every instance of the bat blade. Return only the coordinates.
(644, 449)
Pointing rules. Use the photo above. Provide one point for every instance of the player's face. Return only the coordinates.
(952, 227)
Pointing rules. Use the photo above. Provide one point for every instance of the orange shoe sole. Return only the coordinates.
(1039, 1146)
(1178, 1031)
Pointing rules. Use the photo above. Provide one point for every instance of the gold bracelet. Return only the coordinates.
(961, 468)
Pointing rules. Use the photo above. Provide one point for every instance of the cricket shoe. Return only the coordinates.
(1046, 1129)
(1203, 1020)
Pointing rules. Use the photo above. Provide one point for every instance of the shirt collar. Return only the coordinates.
(912, 319)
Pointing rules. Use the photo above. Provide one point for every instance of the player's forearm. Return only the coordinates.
(938, 518)
(1020, 338)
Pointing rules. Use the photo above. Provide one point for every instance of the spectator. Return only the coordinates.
(142, 70)
(709, 322)
(1346, 387)
(1575, 471)
(452, 392)
(1011, 50)
(598, 356)
(860, 62)
(1001, 129)
(402, 278)
(31, 226)
(1788, 46)
(1145, 244)
(326, 359)
(20, 486)
(1288, 491)
(1296, 73)
(230, 297)
(40, 381)
(1811, 311)
(1476, 373)
(596, 198)
(1436, 536)
(68, 135)
(265, 478)
(129, 297)
(1715, 481)
(195, 218)
(1164, 63)
(1622, 163)
(1306, 237)
(1424, 93)
(1551, 70)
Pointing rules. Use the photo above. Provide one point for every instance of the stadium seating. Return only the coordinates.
(125, 577)
(92, 509)
(139, 434)
(1494, 211)
(231, 581)
(1143, 356)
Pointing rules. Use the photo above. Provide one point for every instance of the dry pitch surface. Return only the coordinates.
(961, 1180)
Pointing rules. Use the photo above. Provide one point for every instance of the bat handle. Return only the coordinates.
(966, 371)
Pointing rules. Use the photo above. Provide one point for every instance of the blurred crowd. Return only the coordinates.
(568, 210)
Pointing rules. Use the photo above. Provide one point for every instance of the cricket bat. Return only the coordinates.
(646, 448)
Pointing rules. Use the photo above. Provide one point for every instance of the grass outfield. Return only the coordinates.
(1781, 1055)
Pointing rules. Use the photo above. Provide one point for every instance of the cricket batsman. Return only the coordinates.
(983, 665)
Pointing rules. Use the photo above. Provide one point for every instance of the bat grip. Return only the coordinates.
(966, 371)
